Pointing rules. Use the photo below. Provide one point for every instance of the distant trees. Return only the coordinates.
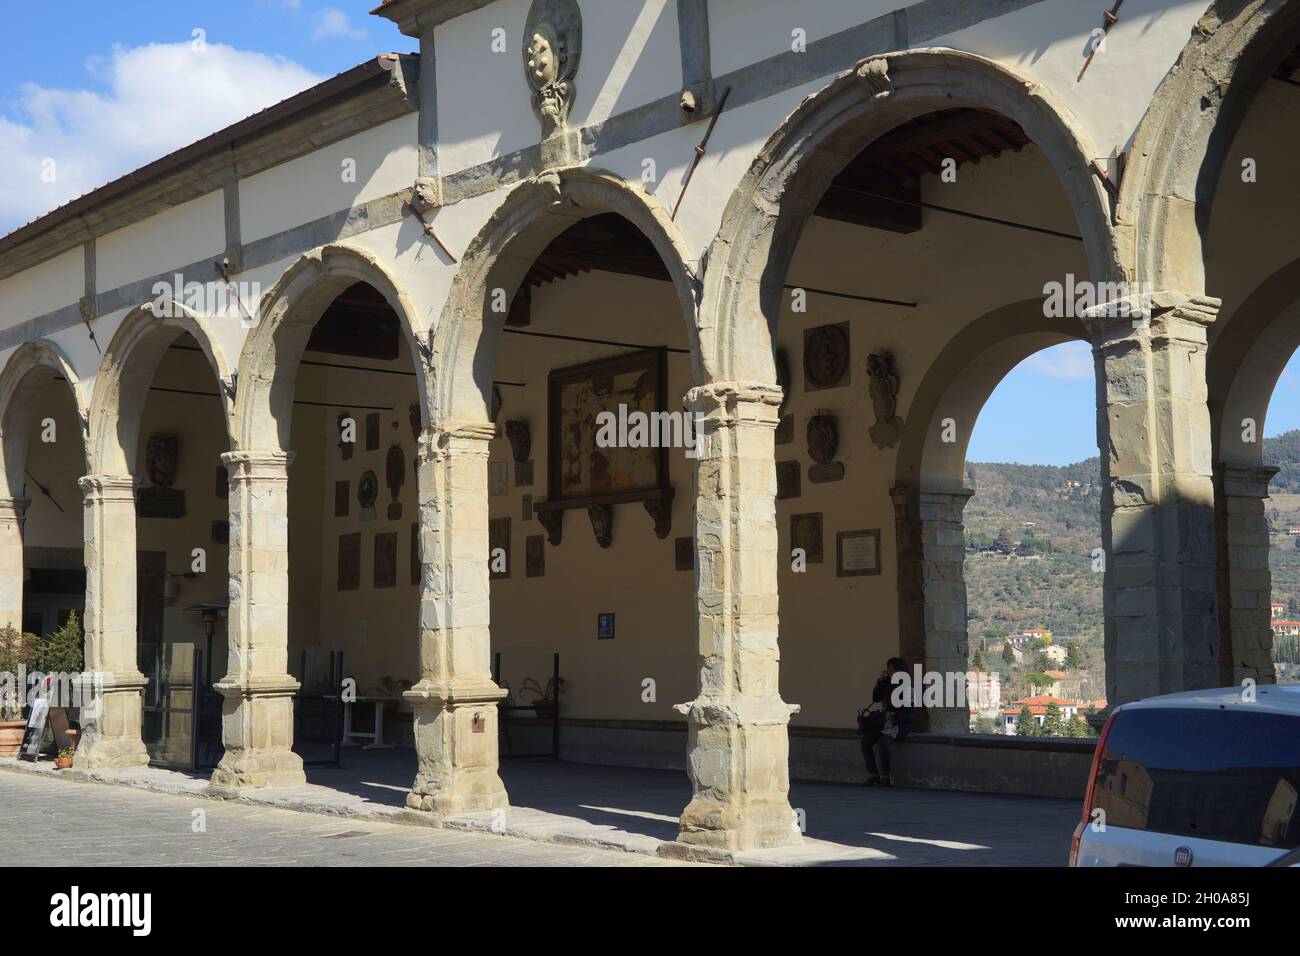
(1026, 725)
(978, 663)
(1052, 725)
(1073, 657)
(1008, 653)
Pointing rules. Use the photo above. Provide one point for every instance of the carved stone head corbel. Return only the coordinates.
(875, 74)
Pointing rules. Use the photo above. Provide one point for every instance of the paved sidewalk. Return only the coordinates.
(51, 822)
(636, 810)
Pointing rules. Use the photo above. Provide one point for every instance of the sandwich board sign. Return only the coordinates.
(31, 746)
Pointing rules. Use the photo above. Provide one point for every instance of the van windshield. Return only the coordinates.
(1227, 775)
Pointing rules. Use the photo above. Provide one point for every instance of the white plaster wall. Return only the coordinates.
(483, 99)
(1048, 42)
(313, 186)
(630, 56)
(745, 31)
(173, 238)
(737, 138)
(43, 288)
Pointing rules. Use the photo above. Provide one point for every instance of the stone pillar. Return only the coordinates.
(455, 700)
(1161, 617)
(111, 722)
(1245, 583)
(13, 512)
(932, 592)
(257, 714)
(739, 751)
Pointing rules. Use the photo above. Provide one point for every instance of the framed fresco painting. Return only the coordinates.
(580, 472)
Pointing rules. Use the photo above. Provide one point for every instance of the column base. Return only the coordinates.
(456, 745)
(254, 769)
(257, 731)
(739, 765)
(110, 740)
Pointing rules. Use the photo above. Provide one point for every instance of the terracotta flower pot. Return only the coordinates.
(11, 737)
(63, 763)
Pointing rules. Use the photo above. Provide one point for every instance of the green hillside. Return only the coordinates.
(1030, 535)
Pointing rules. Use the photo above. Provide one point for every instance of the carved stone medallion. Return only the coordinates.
(826, 357)
(552, 47)
(823, 437)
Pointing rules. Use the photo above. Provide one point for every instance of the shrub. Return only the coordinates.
(62, 651)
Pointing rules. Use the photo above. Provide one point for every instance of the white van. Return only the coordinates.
(1202, 778)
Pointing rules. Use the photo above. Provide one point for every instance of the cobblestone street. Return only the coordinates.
(60, 823)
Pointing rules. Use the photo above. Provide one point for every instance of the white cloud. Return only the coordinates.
(335, 23)
(1068, 362)
(159, 98)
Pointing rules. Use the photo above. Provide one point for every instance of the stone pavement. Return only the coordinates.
(636, 810)
(51, 822)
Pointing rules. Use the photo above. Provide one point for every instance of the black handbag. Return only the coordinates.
(870, 721)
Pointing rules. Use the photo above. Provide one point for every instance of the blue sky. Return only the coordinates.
(96, 91)
(90, 91)
(1042, 413)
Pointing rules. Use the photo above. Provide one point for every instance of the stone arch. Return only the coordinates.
(30, 367)
(767, 212)
(126, 374)
(1246, 361)
(535, 212)
(1182, 142)
(960, 381)
(268, 364)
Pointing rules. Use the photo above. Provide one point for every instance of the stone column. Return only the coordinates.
(111, 722)
(455, 700)
(257, 714)
(739, 751)
(1245, 583)
(932, 592)
(13, 512)
(1161, 617)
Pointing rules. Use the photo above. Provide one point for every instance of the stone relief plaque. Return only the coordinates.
(784, 430)
(524, 474)
(826, 357)
(349, 571)
(342, 498)
(372, 431)
(787, 480)
(498, 478)
(535, 555)
(857, 553)
(222, 483)
(527, 502)
(806, 533)
(395, 477)
(385, 573)
(883, 374)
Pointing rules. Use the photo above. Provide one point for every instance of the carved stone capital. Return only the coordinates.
(733, 402)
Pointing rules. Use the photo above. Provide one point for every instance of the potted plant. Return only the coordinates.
(16, 650)
(64, 760)
(547, 697)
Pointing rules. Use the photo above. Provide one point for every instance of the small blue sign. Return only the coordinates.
(605, 626)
